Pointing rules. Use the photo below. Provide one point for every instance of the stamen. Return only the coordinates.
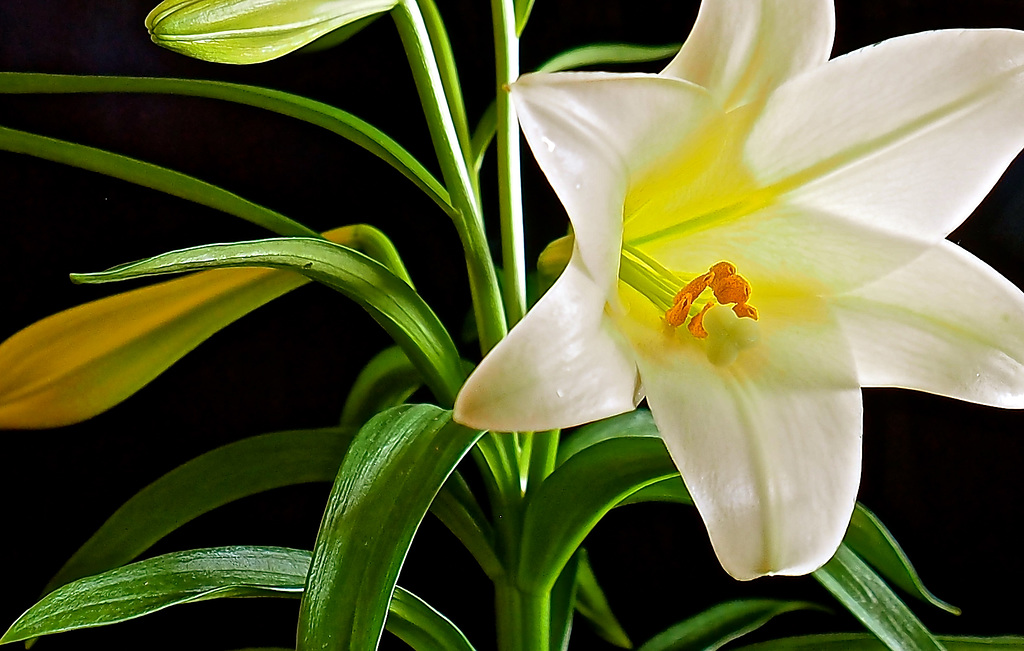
(696, 326)
(727, 287)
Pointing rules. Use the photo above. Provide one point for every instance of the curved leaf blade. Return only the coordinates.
(149, 176)
(221, 476)
(80, 362)
(388, 299)
(592, 604)
(335, 120)
(598, 54)
(870, 600)
(417, 624)
(558, 515)
(151, 585)
(394, 468)
(637, 423)
(865, 642)
(148, 586)
(721, 624)
(871, 540)
(387, 380)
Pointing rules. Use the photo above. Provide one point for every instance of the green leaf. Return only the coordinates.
(151, 585)
(636, 423)
(386, 381)
(608, 53)
(388, 299)
(870, 600)
(667, 490)
(229, 473)
(721, 624)
(523, 10)
(567, 505)
(417, 624)
(394, 468)
(869, 538)
(592, 604)
(149, 176)
(145, 587)
(322, 115)
(458, 509)
(865, 642)
(563, 598)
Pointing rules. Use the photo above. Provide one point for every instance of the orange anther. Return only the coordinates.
(695, 287)
(676, 315)
(744, 310)
(696, 325)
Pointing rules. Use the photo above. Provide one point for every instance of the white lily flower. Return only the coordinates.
(827, 188)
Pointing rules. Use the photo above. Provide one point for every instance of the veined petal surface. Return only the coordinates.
(590, 132)
(947, 324)
(907, 136)
(742, 53)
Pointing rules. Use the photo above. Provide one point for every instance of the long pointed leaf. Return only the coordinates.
(592, 604)
(869, 599)
(721, 624)
(869, 538)
(323, 115)
(417, 624)
(75, 364)
(599, 54)
(560, 514)
(393, 470)
(149, 176)
(142, 588)
(231, 472)
(865, 642)
(388, 299)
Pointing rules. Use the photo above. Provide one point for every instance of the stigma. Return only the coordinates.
(727, 287)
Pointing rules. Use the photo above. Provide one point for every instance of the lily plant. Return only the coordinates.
(756, 233)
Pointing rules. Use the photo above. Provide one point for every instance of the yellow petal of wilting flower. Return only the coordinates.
(758, 233)
(251, 31)
(80, 362)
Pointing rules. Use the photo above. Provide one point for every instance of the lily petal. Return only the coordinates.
(769, 446)
(742, 54)
(907, 136)
(562, 366)
(589, 132)
(969, 346)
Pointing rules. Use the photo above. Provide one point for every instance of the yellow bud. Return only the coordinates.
(251, 31)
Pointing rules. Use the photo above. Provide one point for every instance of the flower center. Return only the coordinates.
(725, 335)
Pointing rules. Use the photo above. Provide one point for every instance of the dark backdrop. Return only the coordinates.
(941, 474)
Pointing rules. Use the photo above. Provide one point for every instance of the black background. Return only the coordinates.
(943, 475)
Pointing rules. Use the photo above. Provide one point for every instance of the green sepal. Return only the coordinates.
(865, 642)
(387, 298)
(592, 604)
(386, 381)
(870, 600)
(558, 515)
(871, 540)
(395, 466)
(721, 624)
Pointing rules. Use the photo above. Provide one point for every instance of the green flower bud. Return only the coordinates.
(251, 31)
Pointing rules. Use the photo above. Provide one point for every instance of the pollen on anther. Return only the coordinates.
(696, 325)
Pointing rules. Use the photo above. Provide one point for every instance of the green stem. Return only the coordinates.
(483, 282)
(543, 452)
(510, 202)
(524, 619)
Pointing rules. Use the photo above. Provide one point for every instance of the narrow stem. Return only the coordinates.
(483, 282)
(510, 203)
(543, 452)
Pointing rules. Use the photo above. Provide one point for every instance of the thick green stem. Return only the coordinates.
(483, 282)
(524, 619)
(510, 203)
